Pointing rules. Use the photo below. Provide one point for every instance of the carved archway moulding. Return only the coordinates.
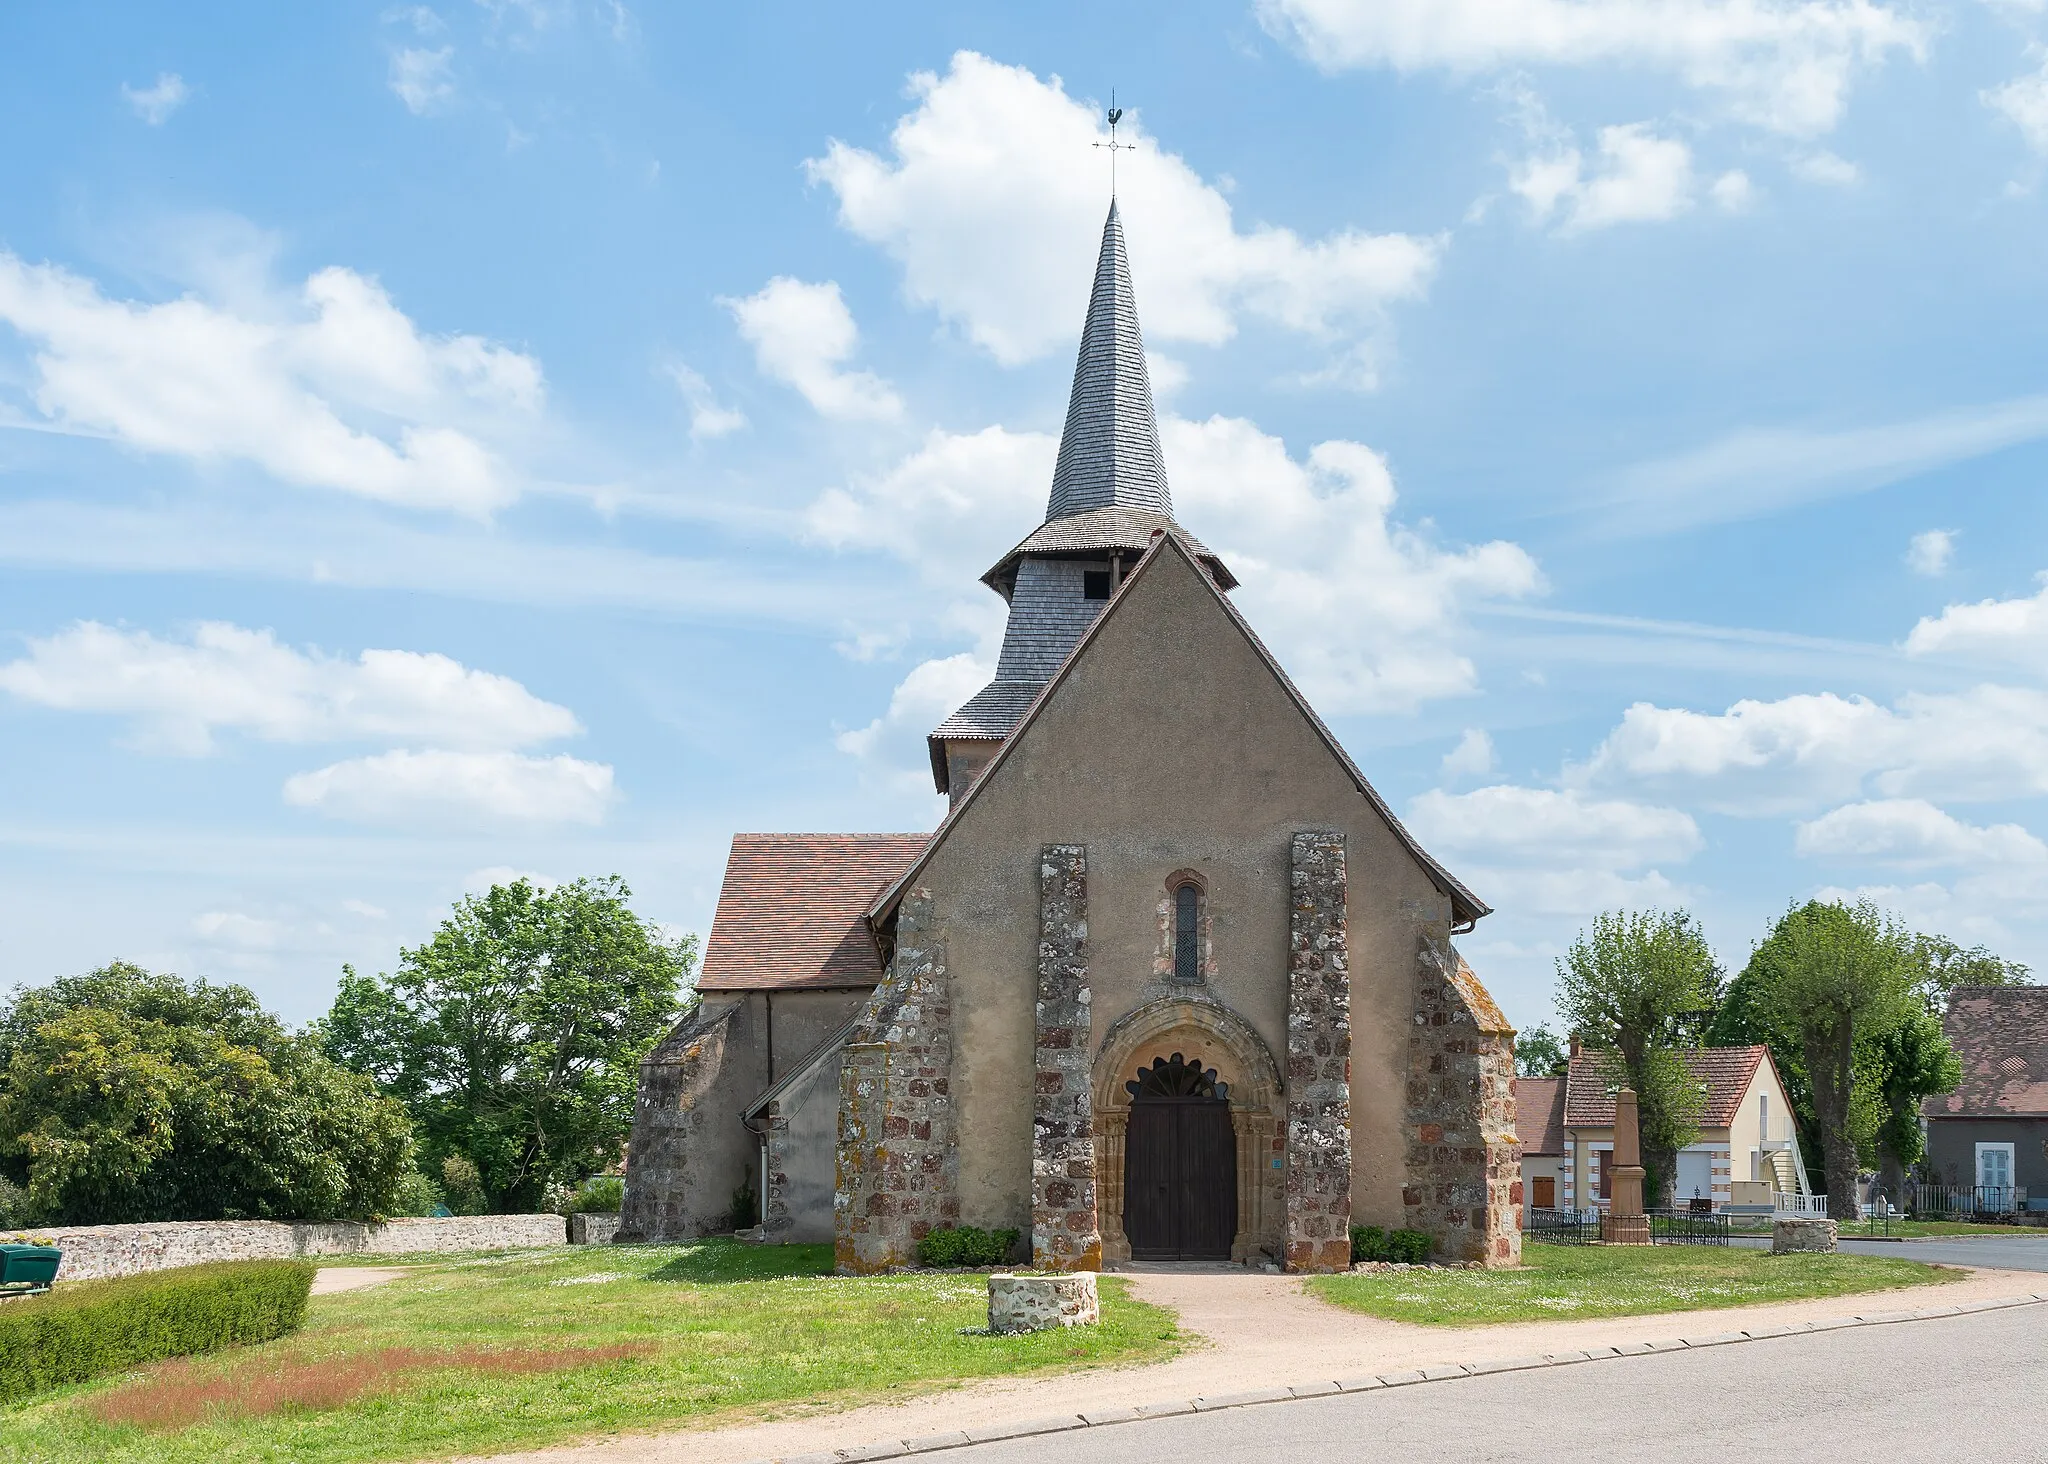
(1197, 1025)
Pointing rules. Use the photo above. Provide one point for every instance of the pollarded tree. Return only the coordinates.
(1836, 975)
(514, 1036)
(1636, 984)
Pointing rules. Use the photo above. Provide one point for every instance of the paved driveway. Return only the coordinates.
(1974, 1380)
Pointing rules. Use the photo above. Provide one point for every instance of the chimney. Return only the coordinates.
(1576, 1049)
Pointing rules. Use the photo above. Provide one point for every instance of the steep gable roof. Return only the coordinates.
(2000, 1034)
(1539, 1114)
(1726, 1071)
(791, 914)
(1466, 907)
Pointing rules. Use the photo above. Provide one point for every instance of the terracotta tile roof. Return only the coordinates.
(2000, 1033)
(1539, 1114)
(792, 913)
(1727, 1072)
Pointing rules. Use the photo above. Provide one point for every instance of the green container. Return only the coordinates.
(29, 1265)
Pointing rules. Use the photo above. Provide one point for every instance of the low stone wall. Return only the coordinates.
(592, 1229)
(95, 1251)
(1040, 1303)
(1789, 1236)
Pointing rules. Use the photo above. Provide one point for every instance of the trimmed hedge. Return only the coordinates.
(966, 1245)
(86, 1328)
(1371, 1243)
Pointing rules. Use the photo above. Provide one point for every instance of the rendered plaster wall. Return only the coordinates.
(1170, 746)
(92, 1252)
(689, 1149)
(1952, 1149)
(802, 1126)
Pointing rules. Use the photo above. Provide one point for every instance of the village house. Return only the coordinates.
(1169, 979)
(1991, 1133)
(1747, 1147)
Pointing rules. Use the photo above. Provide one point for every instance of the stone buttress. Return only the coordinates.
(1065, 1232)
(1464, 1187)
(1318, 1233)
(675, 1186)
(897, 1170)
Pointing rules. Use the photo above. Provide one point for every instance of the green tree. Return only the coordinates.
(1638, 984)
(1538, 1054)
(127, 1095)
(1944, 965)
(514, 1036)
(1834, 975)
(1904, 1065)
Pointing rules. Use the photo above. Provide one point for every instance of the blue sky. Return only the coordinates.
(445, 440)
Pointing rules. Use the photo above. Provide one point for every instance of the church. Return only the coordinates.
(1168, 981)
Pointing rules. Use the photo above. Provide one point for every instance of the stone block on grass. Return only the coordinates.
(1794, 1237)
(1040, 1303)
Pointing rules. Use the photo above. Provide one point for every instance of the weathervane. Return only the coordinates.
(1116, 115)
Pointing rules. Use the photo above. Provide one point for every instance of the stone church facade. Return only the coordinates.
(1168, 980)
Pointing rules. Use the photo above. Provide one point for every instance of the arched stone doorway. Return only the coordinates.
(1214, 1039)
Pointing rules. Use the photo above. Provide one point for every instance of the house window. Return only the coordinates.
(1546, 1192)
(1994, 1167)
(1094, 584)
(1187, 916)
(1603, 1176)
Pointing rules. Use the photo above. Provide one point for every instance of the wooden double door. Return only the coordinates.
(1180, 1179)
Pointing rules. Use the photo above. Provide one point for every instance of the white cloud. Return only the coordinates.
(1810, 750)
(1366, 612)
(707, 418)
(1544, 852)
(803, 335)
(1912, 833)
(1782, 64)
(180, 693)
(365, 910)
(155, 103)
(332, 387)
(1471, 758)
(988, 204)
(422, 78)
(479, 880)
(1641, 178)
(2014, 631)
(950, 509)
(1930, 553)
(1732, 192)
(1505, 823)
(1822, 166)
(892, 747)
(2024, 102)
(459, 788)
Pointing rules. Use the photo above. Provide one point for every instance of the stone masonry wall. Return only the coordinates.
(898, 1166)
(1464, 1185)
(1065, 1233)
(667, 1197)
(92, 1252)
(1318, 1230)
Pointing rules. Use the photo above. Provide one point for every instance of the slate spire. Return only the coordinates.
(1109, 452)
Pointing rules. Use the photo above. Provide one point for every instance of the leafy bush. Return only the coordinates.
(86, 1328)
(1373, 1243)
(417, 1195)
(746, 1206)
(601, 1194)
(15, 1209)
(462, 1185)
(965, 1245)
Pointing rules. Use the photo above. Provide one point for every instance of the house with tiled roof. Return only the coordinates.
(1747, 1147)
(1539, 1121)
(1991, 1133)
(1168, 980)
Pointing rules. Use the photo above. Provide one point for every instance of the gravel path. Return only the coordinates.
(330, 1279)
(1256, 1330)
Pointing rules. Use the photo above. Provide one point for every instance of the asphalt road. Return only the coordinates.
(1975, 1384)
(2004, 1252)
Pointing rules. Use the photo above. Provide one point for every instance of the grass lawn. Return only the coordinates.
(1565, 1282)
(521, 1349)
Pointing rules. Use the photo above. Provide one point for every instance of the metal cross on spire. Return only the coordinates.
(1116, 115)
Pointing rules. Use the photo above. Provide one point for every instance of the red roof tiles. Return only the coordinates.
(2000, 1034)
(1539, 1114)
(1726, 1071)
(792, 913)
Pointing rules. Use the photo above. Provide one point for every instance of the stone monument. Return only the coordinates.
(1625, 1223)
